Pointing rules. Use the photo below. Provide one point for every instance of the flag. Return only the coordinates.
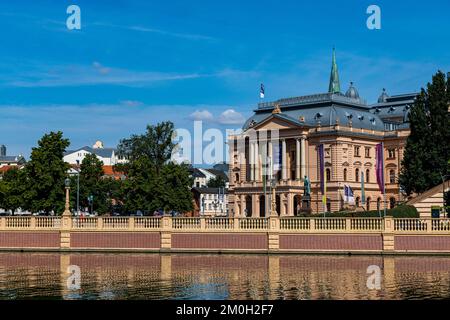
(363, 196)
(323, 183)
(261, 91)
(351, 197)
(345, 193)
(379, 160)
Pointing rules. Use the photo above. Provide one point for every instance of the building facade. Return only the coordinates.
(349, 129)
(108, 156)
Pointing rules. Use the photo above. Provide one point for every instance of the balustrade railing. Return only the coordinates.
(219, 223)
(147, 223)
(329, 224)
(48, 222)
(253, 223)
(286, 224)
(186, 223)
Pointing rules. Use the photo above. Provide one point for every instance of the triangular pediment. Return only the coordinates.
(276, 122)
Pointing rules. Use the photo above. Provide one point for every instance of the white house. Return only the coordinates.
(108, 156)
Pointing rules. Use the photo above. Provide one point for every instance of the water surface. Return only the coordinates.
(178, 276)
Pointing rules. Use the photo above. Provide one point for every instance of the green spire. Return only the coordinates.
(334, 87)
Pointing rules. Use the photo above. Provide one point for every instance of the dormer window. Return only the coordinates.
(391, 109)
(360, 117)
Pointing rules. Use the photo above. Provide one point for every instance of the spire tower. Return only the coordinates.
(335, 86)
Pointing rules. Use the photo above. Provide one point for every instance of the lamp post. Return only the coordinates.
(67, 206)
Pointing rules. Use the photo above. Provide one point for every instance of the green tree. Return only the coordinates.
(12, 189)
(427, 149)
(46, 172)
(93, 184)
(217, 182)
(153, 182)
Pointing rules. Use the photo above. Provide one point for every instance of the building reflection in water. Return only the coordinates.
(178, 276)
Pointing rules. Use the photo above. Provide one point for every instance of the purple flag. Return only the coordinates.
(379, 154)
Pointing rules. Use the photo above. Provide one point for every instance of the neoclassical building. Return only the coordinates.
(349, 129)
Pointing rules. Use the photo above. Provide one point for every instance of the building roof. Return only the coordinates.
(13, 159)
(101, 152)
(196, 173)
(333, 107)
(218, 173)
(326, 109)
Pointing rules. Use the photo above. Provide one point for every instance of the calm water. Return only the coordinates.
(154, 276)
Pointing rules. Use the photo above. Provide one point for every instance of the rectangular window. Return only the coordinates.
(357, 151)
(367, 152)
(391, 153)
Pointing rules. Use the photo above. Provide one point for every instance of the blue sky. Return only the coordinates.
(136, 62)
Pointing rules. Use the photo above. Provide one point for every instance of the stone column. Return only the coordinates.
(303, 157)
(283, 160)
(282, 204)
(290, 204)
(257, 170)
(252, 162)
(255, 206)
(297, 160)
(242, 213)
(270, 171)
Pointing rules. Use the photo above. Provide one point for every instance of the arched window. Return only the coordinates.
(356, 175)
(368, 203)
(236, 177)
(328, 174)
(345, 174)
(357, 201)
(367, 175)
(392, 176)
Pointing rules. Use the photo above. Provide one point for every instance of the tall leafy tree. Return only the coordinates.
(12, 189)
(92, 184)
(153, 182)
(46, 172)
(427, 149)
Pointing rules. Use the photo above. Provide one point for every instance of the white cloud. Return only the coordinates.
(201, 115)
(131, 103)
(230, 116)
(38, 75)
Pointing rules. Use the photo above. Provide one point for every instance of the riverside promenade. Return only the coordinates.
(227, 235)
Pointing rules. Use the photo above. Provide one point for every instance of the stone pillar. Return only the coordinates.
(282, 204)
(303, 157)
(242, 213)
(297, 160)
(270, 171)
(388, 235)
(252, 162)
(257, 169)
(166, 233)
(283, 160)
(255, 206)
(290, 204)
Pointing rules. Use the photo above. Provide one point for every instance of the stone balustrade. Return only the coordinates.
(273, 234)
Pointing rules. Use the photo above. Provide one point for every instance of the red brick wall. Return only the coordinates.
(24, 239)
(109, 240)
(422, 243)
(330, 242)
(219, 241)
